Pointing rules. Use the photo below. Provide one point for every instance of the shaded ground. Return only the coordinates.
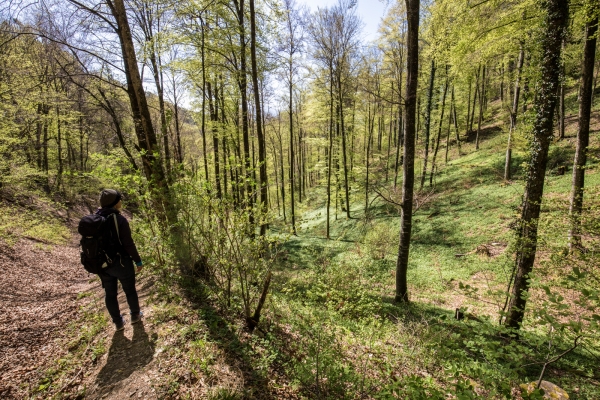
(39, 286)
(128, 368)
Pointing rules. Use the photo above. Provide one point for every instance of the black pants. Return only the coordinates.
(110, 282)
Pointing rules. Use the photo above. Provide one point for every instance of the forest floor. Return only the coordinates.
(330, 327)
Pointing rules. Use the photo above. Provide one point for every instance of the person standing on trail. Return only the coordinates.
(121, 270)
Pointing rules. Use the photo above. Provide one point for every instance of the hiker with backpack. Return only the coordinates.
(109, 251)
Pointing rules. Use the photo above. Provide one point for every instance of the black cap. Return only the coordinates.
(109, 198)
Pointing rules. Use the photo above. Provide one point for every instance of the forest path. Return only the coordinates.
(46, 302)
(128, 367)
(40, 287)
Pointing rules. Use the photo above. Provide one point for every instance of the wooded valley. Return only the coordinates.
(321, 216)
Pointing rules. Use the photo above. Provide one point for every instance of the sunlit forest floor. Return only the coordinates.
(331, 328)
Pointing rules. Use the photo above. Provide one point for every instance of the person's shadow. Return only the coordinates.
(125, 356)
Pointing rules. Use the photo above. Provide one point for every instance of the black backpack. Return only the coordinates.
(98, 247)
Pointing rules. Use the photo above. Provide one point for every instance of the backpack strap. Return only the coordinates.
(117, 228)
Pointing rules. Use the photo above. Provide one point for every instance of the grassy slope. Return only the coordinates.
(343, 288)
(330, 328)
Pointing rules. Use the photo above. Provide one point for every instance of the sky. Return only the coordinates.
(370, 11)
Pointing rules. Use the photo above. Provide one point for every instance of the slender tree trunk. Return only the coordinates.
(455, 123)
(583, 132)
(555, 22)
(280, 139)
(158, 81)
(428, 122)
(330, 153)
(561, 98)
(371, 127)
(345, 158)
(213, 109)
(475, 98)
(412, 42)
(242, 82)
(481, 106)
(262, 151)
(449, 126)
(439, 135)
(292, 159)
(513, 116)
(59, 156)
(202, 56)
(468, 109)
(391, 133)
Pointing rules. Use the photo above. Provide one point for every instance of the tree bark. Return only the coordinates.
(412, 42)
(262, 151)
(439, 135)
(145, 132)
(583, 132)
(428, 122)
(481, 106)
(513, 116)
(555, 22)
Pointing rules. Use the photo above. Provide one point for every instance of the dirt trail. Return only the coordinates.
(39, 288)
(128, 368)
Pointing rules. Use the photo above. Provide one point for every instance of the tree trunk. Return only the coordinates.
(481, 106)
(455, 123)
(439, 135)
(513, 116)
(583, 132)
(345, 158)
(428, 122)
(202, 56)
(330, 153)
(262, 151)
(214, 118)
(412, 42)
(247, 186)
(555, 22)
(145, 132)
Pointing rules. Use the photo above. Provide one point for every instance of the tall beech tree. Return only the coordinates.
(408, 173)
(555, 20)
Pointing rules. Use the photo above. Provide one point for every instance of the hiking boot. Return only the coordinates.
(119, 326)
(136, 317)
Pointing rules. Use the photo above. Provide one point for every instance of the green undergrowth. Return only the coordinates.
(336, 296)
(18, 223)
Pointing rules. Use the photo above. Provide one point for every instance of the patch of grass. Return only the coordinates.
(15, 224)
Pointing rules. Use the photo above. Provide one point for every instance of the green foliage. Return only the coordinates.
(16, 223)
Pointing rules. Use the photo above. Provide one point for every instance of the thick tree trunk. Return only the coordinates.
(583, 132)
(513, 116)
(555, 22)
(412, 42)
(145, 132)
(427, 122)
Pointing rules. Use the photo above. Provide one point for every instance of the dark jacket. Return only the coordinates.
(124, 232)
